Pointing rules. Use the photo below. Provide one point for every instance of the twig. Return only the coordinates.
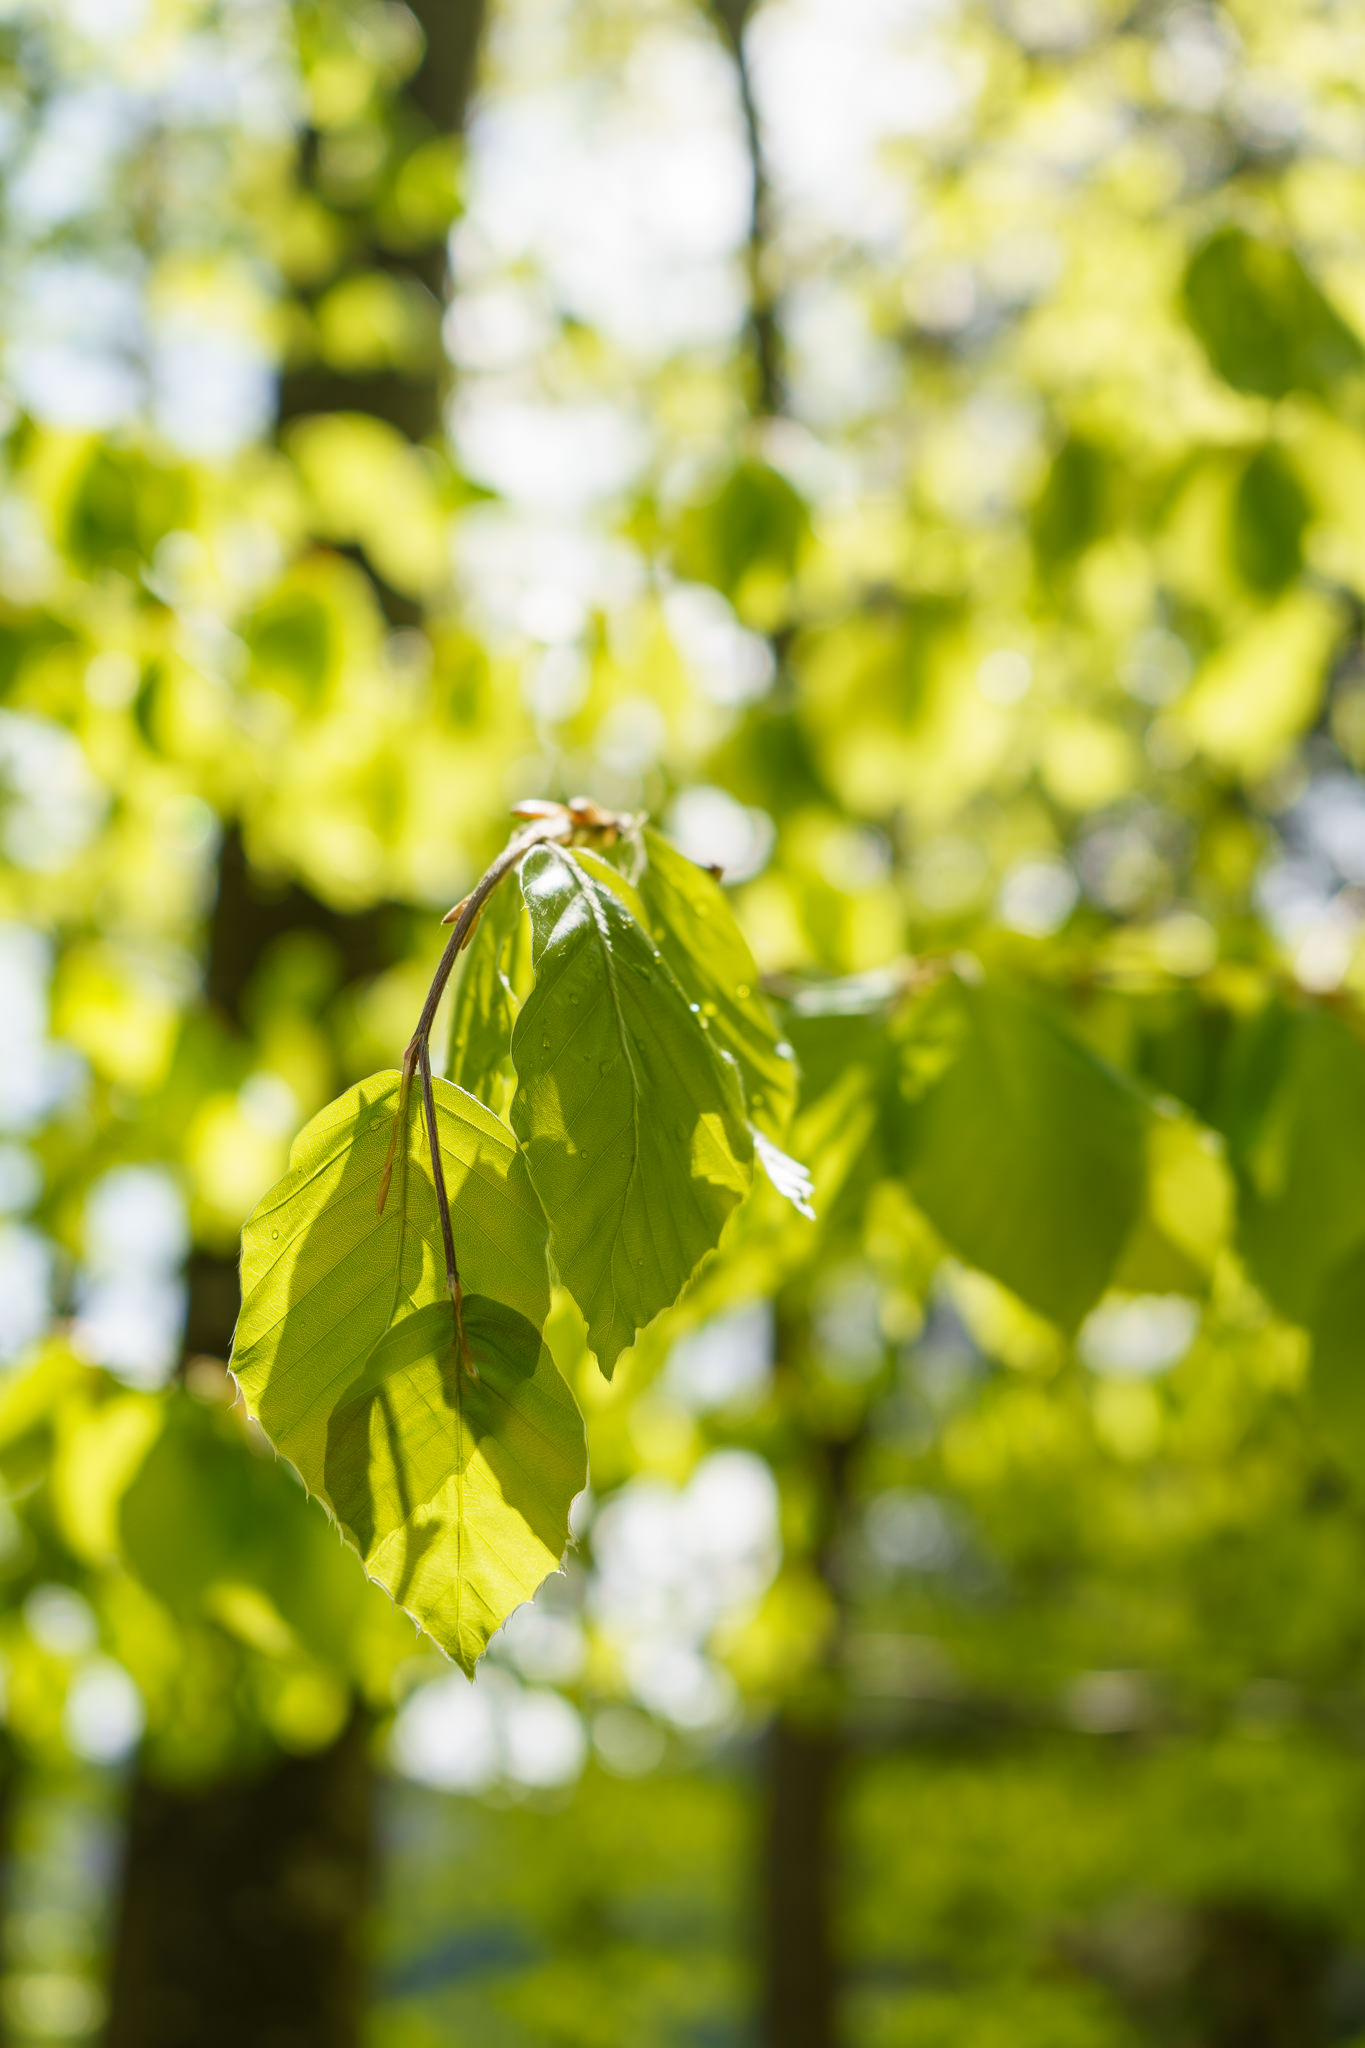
(438, 1180)
(400, 1124)
(550, 824)
(541, 833)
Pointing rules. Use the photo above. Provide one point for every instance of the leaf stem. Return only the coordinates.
(535, 834)
(562, 824)
(400, 1123)
(438, 1178)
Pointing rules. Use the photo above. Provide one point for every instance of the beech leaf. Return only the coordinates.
(455, 1489)
(691, 921)
(630, 1116)
(328, 1280)
(491, 982)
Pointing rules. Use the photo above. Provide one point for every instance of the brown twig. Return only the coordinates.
(575, 823)
(438, 1181)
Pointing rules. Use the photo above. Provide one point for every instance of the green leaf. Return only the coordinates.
(836, 1023)
(30, 1400)
(239, 1520)
(755, 520)
(631, 1120)
(1336, 1385)
(850, 1119)
(457, 1490)
(324, 1274)
(691, 922)
(1027, 1155)
(1265, 325)
(1071, 510)
(492, 982)
(1187, 1213)
(1262, 687)
(791, 1177)
(1270, 515)
(1298, 1143)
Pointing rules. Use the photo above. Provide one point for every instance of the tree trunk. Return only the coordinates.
(800, 1976)
(243, 1909)
(434, 102)
(10, 1792)
(768, 397)
(242, 1916)
(242, 1913)
(799, 1963)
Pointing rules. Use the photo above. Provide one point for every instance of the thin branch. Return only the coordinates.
(540, 833)
(438, 1180)
(732, 17)
(550, 824)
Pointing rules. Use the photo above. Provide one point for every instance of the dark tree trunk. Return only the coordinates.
(444, 86)
(1258, 1977)
(435, 102)
(242, 1920)
(10, 1793)
(800, 1975)
(243, 1908)
(800, 1970)
(768, 396)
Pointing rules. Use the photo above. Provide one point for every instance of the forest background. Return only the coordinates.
(915, 449)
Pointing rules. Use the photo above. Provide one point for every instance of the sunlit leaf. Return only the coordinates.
(1262, 686)
(324, 1274)
(456, 1490)
(691, 922)
(100, 1446)
(787, 1175)
(489, 987)
(632, 1122)
(1186, 1217)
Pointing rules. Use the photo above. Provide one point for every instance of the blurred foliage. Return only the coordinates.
(1014, 673)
